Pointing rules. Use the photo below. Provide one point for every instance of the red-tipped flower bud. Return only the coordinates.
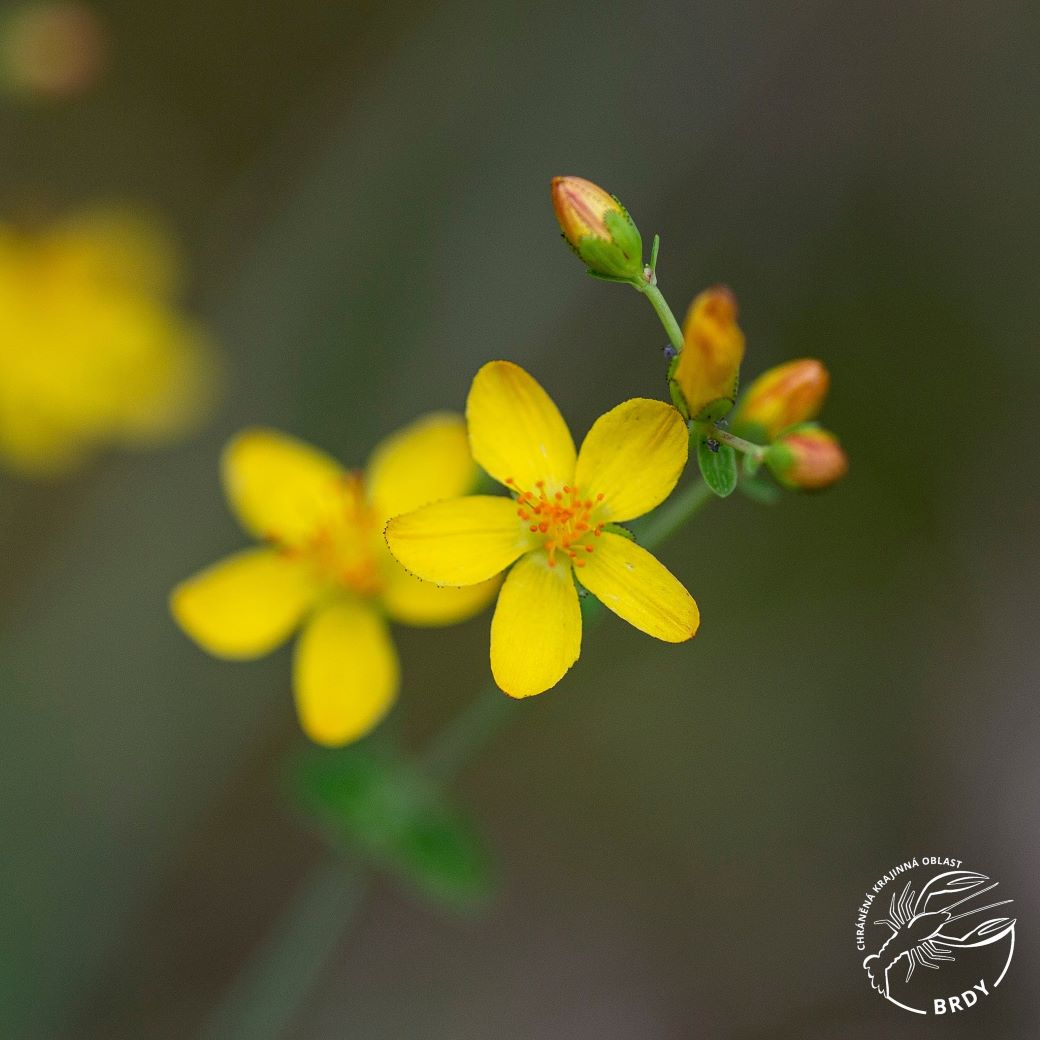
(807, 458)
(706, 372)
(598, 229)
(781, 397)
(51, 48)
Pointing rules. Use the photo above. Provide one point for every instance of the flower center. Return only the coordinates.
(342, 545)
(562, 520)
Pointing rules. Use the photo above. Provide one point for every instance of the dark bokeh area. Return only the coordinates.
(682, 834)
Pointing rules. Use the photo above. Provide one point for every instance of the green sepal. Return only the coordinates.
(718, 467)
(675, 391)
(618, 258)
(654, 250)
(624, 532)
(378, 804)
(779, 458)
(752, 463)
(760, 490)
(715, 410)
(590, 607)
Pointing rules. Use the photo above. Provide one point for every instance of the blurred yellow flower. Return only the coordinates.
(557, 526)
(325, 565)
(92, 351)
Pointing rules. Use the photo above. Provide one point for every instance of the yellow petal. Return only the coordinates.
(345, 673)
(459, 542)
(119, 249)
(421, 603)
(280, 488)
(536, 630)
(638, 588)
(35, 444)
(173, 386)
(515, 430)
(633, 456)
(425, 462)
(245, 605)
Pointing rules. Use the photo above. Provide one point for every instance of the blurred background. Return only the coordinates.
(682, 835)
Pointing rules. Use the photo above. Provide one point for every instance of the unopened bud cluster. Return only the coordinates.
(777, 408)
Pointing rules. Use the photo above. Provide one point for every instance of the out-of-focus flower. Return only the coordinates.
(708, 368)
(325, 566)
(807, 458)
(558, 525)
(92, 348)
(781, 397)
(51, 49)
(598, 228)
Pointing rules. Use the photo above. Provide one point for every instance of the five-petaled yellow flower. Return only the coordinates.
(557, 526)
(325, 565)
(92, 349)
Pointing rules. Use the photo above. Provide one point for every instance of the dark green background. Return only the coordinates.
(684, 834)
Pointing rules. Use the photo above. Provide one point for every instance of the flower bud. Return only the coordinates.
(807, 458)
(51, 49)
(706, 372)
(781, 397)
(598, 229)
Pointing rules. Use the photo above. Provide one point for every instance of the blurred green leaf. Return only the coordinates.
(760, 489)
(718, 467)
(384, 807)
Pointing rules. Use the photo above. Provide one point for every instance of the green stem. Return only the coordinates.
(471, 729)
(665, 521)
(738, 443)
(664, 312)
(264, 998)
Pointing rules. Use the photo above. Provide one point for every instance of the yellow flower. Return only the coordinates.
(92, 351)
(708, 367)
(325, 566)
(557, 525)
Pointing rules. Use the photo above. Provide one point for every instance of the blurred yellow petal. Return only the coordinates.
(415, 602)
(640, 589)
(515, 430)
(633, 457)
(174, 389)
(245, 605)
(536, 630)
(33, 443)
(345, 673)
(281, 488)
(459, 542)
(117, 249)
(424, 462)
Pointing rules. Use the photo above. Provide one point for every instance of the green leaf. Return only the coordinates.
(718, 467)
(761, 490)
(386, 809)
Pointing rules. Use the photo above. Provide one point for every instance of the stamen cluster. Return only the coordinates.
(341, 546)
(564, 518)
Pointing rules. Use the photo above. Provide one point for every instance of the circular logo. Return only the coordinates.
(937, 939)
